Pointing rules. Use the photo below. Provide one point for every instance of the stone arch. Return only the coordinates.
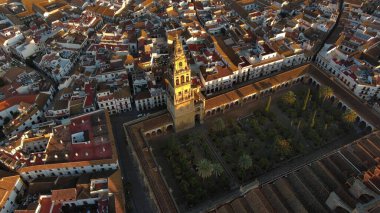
(208, 113)
(344, 108)
(169, 127)
(147, 135)
(159, 132)
(362, 124)
(197, 118)
(153, 133)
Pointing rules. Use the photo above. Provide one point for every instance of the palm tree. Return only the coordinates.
(312, 123)
(326, 92)
(240, 138)
(245, 162)
(289, 98)
(306, 100)
(218, 169)
(349, 116)
(205, 168)
(267, 108)
(219, 125)
(282, 147)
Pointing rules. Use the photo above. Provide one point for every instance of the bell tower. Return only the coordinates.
(180, 96)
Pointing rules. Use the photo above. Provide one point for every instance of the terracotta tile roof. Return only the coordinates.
(256, 87)
(12, 73)
(41, 100)
(7, 185)
(98, 151)
(142, 95)
(220, 100)
(123, 92)
(157, 122)
(46, 204)
(226, 52)
(14, 100)
(220, 73)
(115, 185)
(64, 194)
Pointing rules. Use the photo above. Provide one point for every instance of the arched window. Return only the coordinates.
(187, 79)
(180, 63)
(177, 81)
(182, 79)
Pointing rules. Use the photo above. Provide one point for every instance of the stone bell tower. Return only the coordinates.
(180, 97)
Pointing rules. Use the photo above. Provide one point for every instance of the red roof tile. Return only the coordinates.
(14, 100)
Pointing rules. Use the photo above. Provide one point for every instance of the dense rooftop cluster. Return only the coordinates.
(66, 65)
(42, 156)
(353, 54)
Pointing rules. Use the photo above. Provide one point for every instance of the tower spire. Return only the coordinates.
(179, 55)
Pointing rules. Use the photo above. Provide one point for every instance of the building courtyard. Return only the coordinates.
(236, 147)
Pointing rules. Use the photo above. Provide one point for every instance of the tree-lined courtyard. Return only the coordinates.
(229, 150)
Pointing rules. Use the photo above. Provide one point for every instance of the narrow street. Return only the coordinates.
(130, 174)
(136, 193)
(333, 31)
